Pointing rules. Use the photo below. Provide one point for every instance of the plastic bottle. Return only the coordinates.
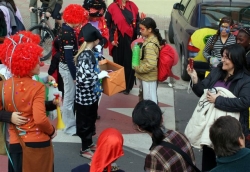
(136, 55)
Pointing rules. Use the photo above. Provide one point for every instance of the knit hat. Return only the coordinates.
(75, 14)
(96, 8)
(90, 33)
(21, 52)
(109, 149)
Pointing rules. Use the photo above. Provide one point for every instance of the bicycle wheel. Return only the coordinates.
(47, 38)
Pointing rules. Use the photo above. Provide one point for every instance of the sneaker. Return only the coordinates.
(93, 147)
(87, 153)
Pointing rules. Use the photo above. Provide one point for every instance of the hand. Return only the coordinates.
(99, 48)
(214, 61)
(57, 102)
(211, 97)
(17, 119)
(114, 43)
(103, 74)
(47, 14)
(192, 73)
(51, 78)
(31, 8)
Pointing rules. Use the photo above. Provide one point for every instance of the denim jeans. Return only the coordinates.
(68, 102)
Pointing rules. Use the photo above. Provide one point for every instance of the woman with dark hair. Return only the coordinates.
(147, 70)
(231, 74)
(243, 38)
(222, 38)
(147, 117)
(122, 18)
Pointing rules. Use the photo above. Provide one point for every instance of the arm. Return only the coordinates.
(39, 114)
(207, 51)
(54, 63)
(109, 22)
(238, 104)
(5, 116)
(50, 106)
(149, 62)
(85, 76)
(33, 3)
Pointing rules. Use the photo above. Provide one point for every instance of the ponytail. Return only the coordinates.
(157, 135)
(83, 46)
(158, 35)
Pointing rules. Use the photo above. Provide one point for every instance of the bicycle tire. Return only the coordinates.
(47, 38)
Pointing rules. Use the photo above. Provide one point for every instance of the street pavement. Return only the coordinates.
(116, 110)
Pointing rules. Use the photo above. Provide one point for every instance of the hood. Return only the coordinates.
(109, 149)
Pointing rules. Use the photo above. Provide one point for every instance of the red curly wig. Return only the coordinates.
(21, 53)
(75, 14)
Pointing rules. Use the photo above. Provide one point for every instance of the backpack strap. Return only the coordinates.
(184, 155)
(143, 48)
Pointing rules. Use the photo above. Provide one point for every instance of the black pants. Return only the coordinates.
(208, 159)
(85, 123)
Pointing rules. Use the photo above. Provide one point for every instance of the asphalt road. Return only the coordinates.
(185, 104)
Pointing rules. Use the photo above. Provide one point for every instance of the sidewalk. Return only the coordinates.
(115, 111)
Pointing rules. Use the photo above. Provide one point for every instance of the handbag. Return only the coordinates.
(3, 144)
(184, 155)
(35, 159)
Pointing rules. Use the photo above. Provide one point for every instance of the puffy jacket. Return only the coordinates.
(148, 70)
(240, 87)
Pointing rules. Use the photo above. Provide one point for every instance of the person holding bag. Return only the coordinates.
(232, 75)
(30, 146)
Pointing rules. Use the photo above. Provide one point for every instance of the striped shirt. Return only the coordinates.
(215, 52)
(163, 159)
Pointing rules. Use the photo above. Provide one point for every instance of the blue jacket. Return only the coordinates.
(238, 162)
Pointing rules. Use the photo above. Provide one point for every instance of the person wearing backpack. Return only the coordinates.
(13, 18)
(147, 71)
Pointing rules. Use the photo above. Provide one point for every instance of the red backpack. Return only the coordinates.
(168, 57)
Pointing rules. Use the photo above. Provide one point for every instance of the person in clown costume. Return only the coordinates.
(122, 18)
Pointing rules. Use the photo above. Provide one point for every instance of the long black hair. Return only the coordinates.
(236, 53)
(148, 22)
(148, 116)
(216, 36)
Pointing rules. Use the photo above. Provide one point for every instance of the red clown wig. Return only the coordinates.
(21, 53)
(75, 14)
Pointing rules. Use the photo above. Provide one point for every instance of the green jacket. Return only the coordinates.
(51, 4)
(148, 70)
(238, 162)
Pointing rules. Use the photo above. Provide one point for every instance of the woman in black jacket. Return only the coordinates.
(231, 74)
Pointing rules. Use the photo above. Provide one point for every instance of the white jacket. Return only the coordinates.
(204, 115)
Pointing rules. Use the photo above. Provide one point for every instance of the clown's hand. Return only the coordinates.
(103, 74)
(99, 48)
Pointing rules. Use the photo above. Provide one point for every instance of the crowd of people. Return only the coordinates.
(87, 29)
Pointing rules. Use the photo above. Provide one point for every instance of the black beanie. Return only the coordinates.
(90, 33)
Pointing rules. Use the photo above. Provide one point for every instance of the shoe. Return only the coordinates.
(86, 153)
(74, 134)
(126, 92)
(98, 117)
(93, 147)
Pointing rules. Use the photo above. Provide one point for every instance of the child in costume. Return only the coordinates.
(22, 57)
(109, 149)
(96, 9)
(88, 89)
(73, 16)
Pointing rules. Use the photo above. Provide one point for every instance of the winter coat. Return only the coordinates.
(240, 87)
(205, 113)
